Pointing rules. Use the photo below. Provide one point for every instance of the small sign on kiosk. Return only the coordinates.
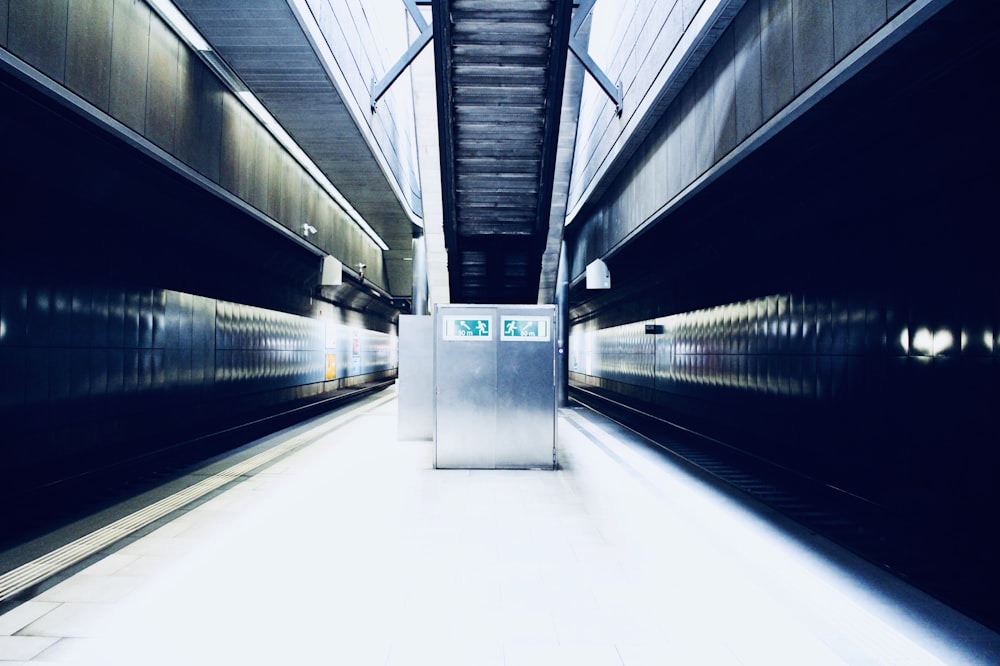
(525, 328)
(468, 328)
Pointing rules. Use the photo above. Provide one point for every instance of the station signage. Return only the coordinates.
(468, 328)
(526, 329)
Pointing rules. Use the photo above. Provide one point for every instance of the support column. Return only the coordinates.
(419, 295)
(562, 327)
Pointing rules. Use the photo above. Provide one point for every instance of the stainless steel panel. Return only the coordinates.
(13, 372)
(79, 374)
(130, 63)
(812, 41)
(146, 318)
(4, 9)
(416, 377)
(162, 91)
(199, 116)
(748, 72)
(81, 314)
(36, 33)
(164, 326)
(37, 329)
(853, 22)
(776, 54)
(526, 391)
(59, 374)
(262, 168)
(465, 393)
(100, 305)
(237, 147)
(36, 379)
(88, 50)
(61, 317)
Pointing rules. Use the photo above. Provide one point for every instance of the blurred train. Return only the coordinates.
(94, 377)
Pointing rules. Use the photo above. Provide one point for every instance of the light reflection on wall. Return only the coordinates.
(781, 344)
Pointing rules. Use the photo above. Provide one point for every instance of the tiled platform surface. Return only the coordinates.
(354, 550)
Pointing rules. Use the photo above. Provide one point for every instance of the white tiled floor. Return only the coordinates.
(354, 550)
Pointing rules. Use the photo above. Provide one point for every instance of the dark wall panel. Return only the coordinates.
(853, 22)
(777, 53)
(199, 139)
(162, 92)
(88, 50)
(37, 34)
(130, 63)
(722, 65)
(4, 9)
(812, 41)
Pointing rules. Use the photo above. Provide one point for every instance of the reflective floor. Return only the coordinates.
(353, 550)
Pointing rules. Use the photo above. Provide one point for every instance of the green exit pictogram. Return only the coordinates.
(524, 328)
(467, 327)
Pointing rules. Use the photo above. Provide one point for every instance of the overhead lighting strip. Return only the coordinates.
(187, 32)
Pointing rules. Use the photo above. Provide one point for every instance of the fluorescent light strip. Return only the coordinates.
(186, 31)
(173, 16)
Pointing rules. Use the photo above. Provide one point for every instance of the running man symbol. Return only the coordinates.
(481, 327)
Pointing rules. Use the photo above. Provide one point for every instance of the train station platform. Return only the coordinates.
(347, 547)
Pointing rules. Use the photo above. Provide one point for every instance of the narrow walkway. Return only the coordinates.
(353, 550)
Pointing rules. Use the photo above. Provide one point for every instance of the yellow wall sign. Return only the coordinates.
(331, 367)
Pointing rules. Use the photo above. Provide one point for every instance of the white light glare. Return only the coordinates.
(923, 342)
(175, 18)
(943, 341)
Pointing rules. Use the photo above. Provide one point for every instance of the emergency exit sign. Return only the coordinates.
(525, 328)
(466, 328)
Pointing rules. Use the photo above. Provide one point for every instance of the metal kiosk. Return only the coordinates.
(494, 387)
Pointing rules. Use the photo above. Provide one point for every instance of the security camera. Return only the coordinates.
(361, 271)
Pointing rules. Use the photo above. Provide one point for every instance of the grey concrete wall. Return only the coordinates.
(121, 58)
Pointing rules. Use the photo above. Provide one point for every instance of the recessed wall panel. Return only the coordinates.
(37, 34)
(88, 50)
(130, 63)
(813, 41)
(4, 8)
(162, 91)
(776, 54)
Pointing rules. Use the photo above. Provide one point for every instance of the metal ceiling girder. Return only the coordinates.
(500, 72)
(579, 49)
(379, 88)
